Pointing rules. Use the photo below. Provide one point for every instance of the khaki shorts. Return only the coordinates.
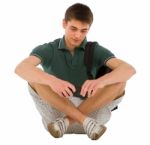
(50, 114)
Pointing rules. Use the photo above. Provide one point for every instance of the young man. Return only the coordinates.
(63, 65)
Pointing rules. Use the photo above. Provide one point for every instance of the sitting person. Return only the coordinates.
(54, 86)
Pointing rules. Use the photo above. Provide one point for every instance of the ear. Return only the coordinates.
(64, 23)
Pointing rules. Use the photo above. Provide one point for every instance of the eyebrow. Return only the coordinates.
(85, 29)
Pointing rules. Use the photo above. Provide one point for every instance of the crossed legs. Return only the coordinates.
(100, 99)
(60, 103)
(80, 113)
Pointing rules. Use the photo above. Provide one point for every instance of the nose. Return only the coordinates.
(78, 34)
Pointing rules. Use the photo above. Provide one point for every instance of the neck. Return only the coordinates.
(69, 46)
(72, 52)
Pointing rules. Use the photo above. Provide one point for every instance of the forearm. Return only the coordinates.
(118, 75)
(31, 73)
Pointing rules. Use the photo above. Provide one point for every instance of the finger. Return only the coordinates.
(72, 87)
(69, 92)
(89, 92)
(84, 88)
(93, 92)
(91, 88)
(60, 94)
(83, 92)
(65, 94)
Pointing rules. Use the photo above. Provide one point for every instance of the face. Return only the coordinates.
(75, 32)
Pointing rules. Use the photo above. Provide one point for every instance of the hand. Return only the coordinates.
(90, 87)
(61, 87)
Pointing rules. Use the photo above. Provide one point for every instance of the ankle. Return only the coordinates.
(72, 121)
(93, 129)
(82, 119)
(67, 121)
(86, 120)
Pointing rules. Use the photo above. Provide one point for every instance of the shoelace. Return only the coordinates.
(90, 126)
(61, 124)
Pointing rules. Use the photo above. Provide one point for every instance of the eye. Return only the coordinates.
(73, 29)
(83, 31)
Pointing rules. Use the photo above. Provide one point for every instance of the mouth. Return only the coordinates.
(76, 40)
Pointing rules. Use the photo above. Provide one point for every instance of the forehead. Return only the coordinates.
(78, 24)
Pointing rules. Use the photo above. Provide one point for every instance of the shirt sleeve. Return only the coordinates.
(102, 55)
(44, 53)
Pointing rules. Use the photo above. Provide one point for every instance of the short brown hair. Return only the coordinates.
(79, 12)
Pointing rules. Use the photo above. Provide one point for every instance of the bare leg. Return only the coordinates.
(60, 103)
(101, 98)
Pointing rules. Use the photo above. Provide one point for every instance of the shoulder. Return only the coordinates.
(55, 43)
(47, 46)
(45, 51)
(102, 54)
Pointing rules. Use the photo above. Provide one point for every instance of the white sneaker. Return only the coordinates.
(58, 128)
(93, 129)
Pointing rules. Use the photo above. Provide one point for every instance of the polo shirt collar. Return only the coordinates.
(63, 46)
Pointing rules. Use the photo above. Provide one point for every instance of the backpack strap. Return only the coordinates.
(88, 57)
(88, 61)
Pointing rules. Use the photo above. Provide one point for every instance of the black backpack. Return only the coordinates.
(88, 60)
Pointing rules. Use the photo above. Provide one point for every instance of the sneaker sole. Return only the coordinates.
(97, 136)
(53, 132)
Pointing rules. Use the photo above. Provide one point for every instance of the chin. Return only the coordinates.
(76, 44)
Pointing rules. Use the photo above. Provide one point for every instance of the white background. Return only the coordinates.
(123, 26)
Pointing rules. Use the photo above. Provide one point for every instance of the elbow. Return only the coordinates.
(132, 70)
(17, 70)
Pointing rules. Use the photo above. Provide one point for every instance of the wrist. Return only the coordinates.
(49, 79)
(104, 81)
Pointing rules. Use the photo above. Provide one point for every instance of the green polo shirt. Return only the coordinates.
(58, 61)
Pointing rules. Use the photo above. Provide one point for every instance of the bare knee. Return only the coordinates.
(122, 86)
(36, 86)
(32, 84)
(120, 89)
(117, 89)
